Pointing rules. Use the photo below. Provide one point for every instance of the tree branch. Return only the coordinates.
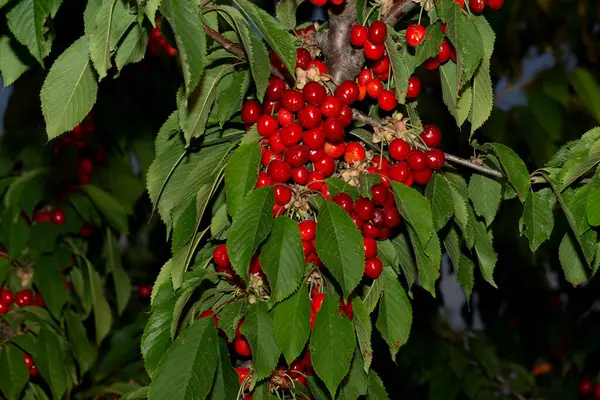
(359, 116)
(398, 10)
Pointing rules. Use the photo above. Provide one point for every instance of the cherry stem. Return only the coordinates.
(420, 15)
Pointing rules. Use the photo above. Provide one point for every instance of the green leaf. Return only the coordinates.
(332, 345)
(514, 168)
(99, 37)
(69, 91)
(363, 328)
(112, 254)
(401, 69)
(483, 94)
(14, 231)
(258, 330)
(485, 194)
(188, 366)
(50, 283)
(486, 255)
(102, 313)
(354, 384)
(578, 165)
(26, 21)
(229, 317)
(538, 220)
(439, 194)
(571, 261)
(11, 65)
(415, 210)
(428, 260)
(184, 17)
(291, 322)
(395, 313)
(277, 38)
(241, 175)
(282, 258)
(112, 210)
(372, 294)
(133, 47)
(375, 388)
(14, 371)
(587, 89)
(150, 8)
(138, 394)
(286, 13)
(405, 257)
(464, 35)
(430, 45)
(593, 203)
(229, 98)
(226, 384)
(337, 185)
(49, 359)
(465, 276)
(250, 228)
(458, 102)
(340, 246)
(82, 348)
(157, 333)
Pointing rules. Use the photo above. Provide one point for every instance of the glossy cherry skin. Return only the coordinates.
(414, 88)
(392, 217)
(373, 267)
(379, 194)
(387, 100)
(283, 195)
(495, 4)
(308, 229)
(399, 171)
(355, 152)
(347, 92)
(370, 247)
(220, 256)
(24, 298)
(331, 106)
(242, 347)
(477, 6)
(363, 207)
(300, 175)
(358, 35)
(334, 130)
(314, 93)
(381, 66)
(314, 139)
(435, 158)
(444, 51)
(297, 155)
(291, 134)
(267, 125)
(292, 100)
(345, 201)
(373, 51)
(364, 76)
(310, 116)
(335, 150)
(431, 135)
(422, 177)
(415, 35)
(263, 180)
(416, 160)
(399, 149)
(303, 58)
(325, 165)
(374, 88)
(280, 171)
(377, 32)
(251, 111)
(275, 89)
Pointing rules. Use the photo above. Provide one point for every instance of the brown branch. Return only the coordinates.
(359, 116)
(397, 11)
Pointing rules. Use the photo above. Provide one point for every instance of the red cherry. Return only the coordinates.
(315, 180)
(377, 32)
(345, 201)
(314, 93)
(387, 100)
(416, 160)
(347, 92)
(495, 4)
(374, 88)
(363, 207)
(597, 390)
(85, 167)
(303, 58)
(242, 347)
(267, 125)
(283, 195)
(315, 155)
(271, 107)
(414, 87)
(57, 216)
(362, 92)
(461, 3)
(33, 371)
(380, 162)
(379, 194)
(144, 290)
(345, 116)
(86, 230)
(378, 218)
(444, 51)
(320, 66)
(317, 302)
(370, 230)
(308, 229)
(399, 149)
(280, 171)
(292, 100)
(431, 64)
(335, 150)
(359, 222)
(6, 297)
(381, 66)
(220, 256)
(308, 248)
(409, 180)
(399, 171)
(267, 156)
(310, 117)
(422, 177)
(296, 155)
(313, 316)
(284, 117)
(242, 374)
(431, 135)
(251, 110)
(300, 175)
(331, 107)
(325, 192)
(4, 308)
(28, 360)
(211, 314)
(370, 246)
(38, 300)
(355, 152)
(24, 298)
(314, 139)
(477, 6)
(42, 216)
(255, 268)
(358, 35)
(275, 89)
(415, 35)
(392, 217)
(384, 234)
(364, 76)
(435, 158)
(373, 267)
(325, 165)
(443, 28)
(373, 51)
(291, 134)
(334, 130)
(263, 180)
(585, 387)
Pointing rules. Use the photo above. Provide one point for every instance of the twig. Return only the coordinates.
(398, 10)
(359, 116)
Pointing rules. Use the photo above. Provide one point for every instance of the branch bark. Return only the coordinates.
(397, 11)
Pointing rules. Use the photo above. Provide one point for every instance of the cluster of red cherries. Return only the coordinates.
(158, 43)
(22, 298)
(587, 388)
(478, 6)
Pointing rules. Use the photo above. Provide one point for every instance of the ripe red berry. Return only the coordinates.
(358, 35)
(325, 165)
(414, 87)
(345, 116)
(275, 89)
(315, 180)
(443, 28)
(495, 4)
(308, 248)
(345, 201)
(399, 149)
(392, 217)
(363, 207)
(379, 194)
(292, 100)
(387, 100)
(362, 92)
(242, 374)
(38, 300)
(364, 76)
(290, 134)
(444, 51)
(435, 158)
(597, 391)
(283, 195)
(331, 107)
(461, 3)
(416, 160)
(334, 130)
(477, 6)
(242, 347)
(355, 152)
(314, 93)
(303, 58)
(431, 64)
(308, 229)
(85, 167)
(399, 171)
(33, 371)
(347, 92)
(320, 66)
(284, 117)
(378, 218)
(210, 314)
(220, 256)
(24, 298)
(42, 216)
(267, 125)
(4, 308)
(263, 180)
(271, 107)
(6, 297)
(335, 150)
(28, 360)
(373, 51)
(377, 32)
(296, 155)
(300, 175)
(57, 216)
(422, 177)
(373, 267)
(415, 35)
(380, 162)
(280, 171)
(370, 230)
(310, 116)
(370, 247)
(317, 302)
(585, 387)
(251, 110)
(374, 88)
(381, 66)
(431, 135)
(314, 139)
(315, 155)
